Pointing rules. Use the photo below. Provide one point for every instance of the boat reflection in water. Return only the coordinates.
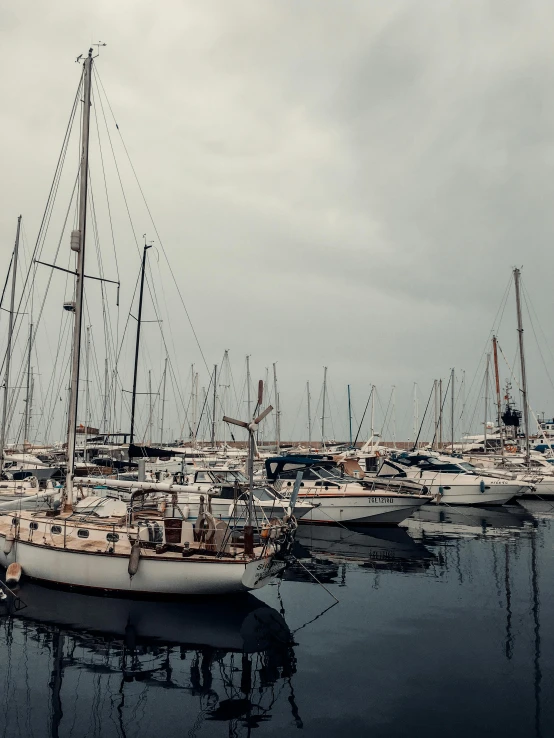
(431, 524)
(81, 658)
(326, 550)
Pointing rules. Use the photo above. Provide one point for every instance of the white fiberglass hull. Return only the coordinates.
(155, 576)
(473, 494)
(543, 488)
(362, 509)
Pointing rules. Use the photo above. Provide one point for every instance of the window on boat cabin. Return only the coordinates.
(263, 495)
(436, 465)
(202, 477)
(467, 466)
(291, 474)
(326, 473)
(56, 530)
(83, 533)
(326, 483)
(389, 470)
(294, 468)
(112, 537)
(33, 526)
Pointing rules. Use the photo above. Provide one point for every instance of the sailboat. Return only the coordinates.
(124, 548)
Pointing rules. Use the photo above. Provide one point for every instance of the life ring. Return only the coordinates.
(205, 527)
(511, 449)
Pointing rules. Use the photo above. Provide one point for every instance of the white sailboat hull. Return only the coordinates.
(107, 572)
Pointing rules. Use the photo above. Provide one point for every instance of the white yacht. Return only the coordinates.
(343, 499)
(538, 471)
(452, 480)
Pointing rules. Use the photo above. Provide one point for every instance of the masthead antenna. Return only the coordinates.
(98, 45)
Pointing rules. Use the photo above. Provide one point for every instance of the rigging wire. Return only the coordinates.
(154, 226)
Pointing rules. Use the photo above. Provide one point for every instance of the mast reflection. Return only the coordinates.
(231, 659)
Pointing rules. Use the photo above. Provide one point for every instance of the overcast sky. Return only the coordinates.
(341, 184)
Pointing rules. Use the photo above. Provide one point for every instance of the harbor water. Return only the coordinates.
(443, 626)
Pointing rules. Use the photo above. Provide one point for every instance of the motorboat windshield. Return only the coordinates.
(445, 465)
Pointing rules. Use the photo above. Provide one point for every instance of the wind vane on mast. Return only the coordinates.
(251, 427)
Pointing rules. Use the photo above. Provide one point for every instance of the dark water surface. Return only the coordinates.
(444, 627)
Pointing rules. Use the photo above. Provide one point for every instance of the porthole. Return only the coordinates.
(56, 530)
(83, 533)
(112, 537)
(15, 521)
(33, 526)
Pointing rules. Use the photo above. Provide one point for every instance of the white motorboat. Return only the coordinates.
(452, 480)
(537, 471)
(341, 499)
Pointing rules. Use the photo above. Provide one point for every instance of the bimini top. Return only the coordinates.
(276, 465)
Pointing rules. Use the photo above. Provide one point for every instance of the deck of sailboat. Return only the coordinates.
(61, 532)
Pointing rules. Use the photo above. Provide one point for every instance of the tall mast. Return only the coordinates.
(323, 412)
(194, 400)
(440, 413)
(213, 407)
(436, 392)
(349, 416)
(225, 367)
(149, 406)
(27, 396)
(137, 343)
(163, 404)
(517, 276)
(9, 347)
(248, 386)
(204, 403)
(394, 415)
(105, 409)
(452, 410)
(78, 242)
(372, 415)
(87, 395)
(277, 410)
(309, 415)
(462, 414)
(486, 400)
(416, 412)
(31, 395)
(498, 401)
(113, 415)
